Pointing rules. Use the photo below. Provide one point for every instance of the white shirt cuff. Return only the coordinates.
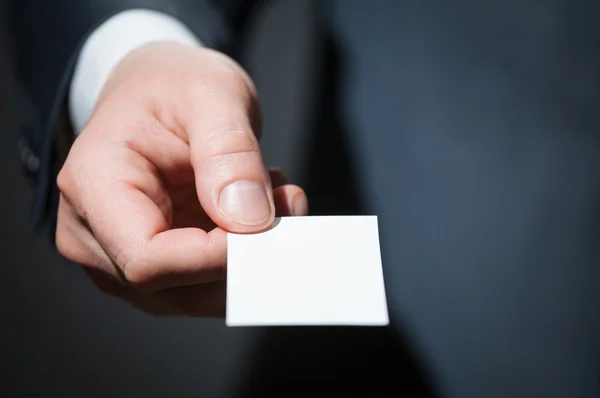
(108, 45)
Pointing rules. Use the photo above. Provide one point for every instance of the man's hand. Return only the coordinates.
(168, 163)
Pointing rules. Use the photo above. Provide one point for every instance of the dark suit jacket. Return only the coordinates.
(47, 37)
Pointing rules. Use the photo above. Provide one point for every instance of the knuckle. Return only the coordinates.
(227, 71)
(69, 177)
(134, 269)
(66, 243)
(235, 81)
(219, 79)
(225, 139)
(63, 179)
(217, 87)
(62, 241)
(70, 249)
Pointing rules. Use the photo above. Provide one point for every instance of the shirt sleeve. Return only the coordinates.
(108, 45)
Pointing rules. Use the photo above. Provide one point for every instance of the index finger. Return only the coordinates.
(123, 198)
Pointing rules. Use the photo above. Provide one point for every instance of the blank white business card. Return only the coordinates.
(307, 271)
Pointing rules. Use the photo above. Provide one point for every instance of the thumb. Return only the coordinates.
(232, 182)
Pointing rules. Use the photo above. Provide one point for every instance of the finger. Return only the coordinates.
(290, 200)
(181, 257)
(76, 243)
(165, 150)
(232, 182)
(122, 196)
(160, 257)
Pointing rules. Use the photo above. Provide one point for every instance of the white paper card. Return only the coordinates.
(307, 271)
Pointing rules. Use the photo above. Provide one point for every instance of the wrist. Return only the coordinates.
(108, 45)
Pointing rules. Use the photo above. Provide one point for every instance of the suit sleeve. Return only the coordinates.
(47, 37)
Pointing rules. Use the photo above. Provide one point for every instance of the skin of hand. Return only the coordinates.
(168, 163)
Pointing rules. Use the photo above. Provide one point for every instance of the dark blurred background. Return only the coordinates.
(61, 336)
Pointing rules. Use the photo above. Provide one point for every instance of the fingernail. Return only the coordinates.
(246, 202)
